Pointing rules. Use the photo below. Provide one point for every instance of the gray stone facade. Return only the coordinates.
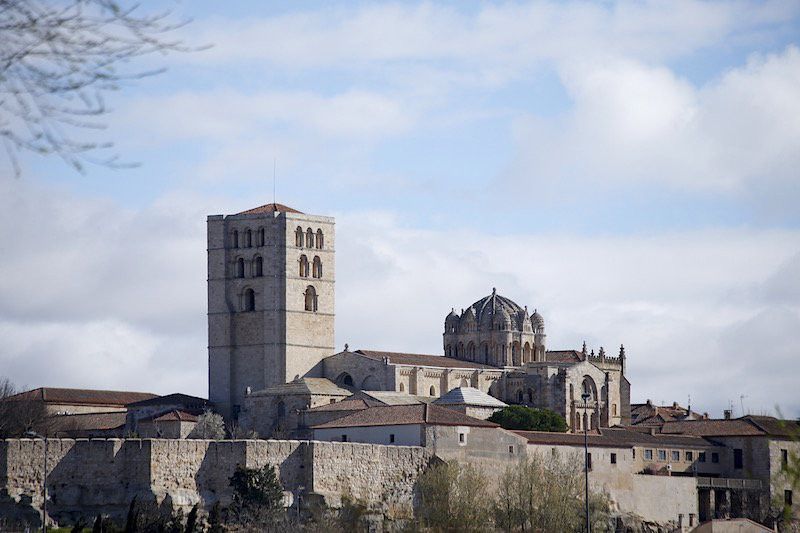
(271, 275)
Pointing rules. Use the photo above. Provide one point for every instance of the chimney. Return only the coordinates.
(727, 414)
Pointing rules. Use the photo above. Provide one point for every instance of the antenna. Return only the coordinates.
(274, 173)
(741, 402)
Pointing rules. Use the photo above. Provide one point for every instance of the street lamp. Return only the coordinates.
(585, 397)
(35, 435)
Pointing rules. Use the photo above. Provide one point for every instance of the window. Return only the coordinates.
(249, 238)
(737, 458)
(676, 455)
(262, 237)
(333, 400)
(519, 396)
(309, 238)
(235, 239)
(648, 455)
(784, 459)
(701, 456)
(249, 300)
(433, 390)
(511, 449)
(344, 438)
(787, 498)
(320, 240)
(589, 461)
(298, 237)
(317, 267)
(634, 452)
(402, 387)
(259, 267)
(714, 457)
(310, 299)
(613, 458)
(690, 456)
(662, 455)
(462, 438)
(240, 268)
(613, 409)
(391, 438)
(303, 266)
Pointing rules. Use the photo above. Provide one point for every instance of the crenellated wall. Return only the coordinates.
(87, 477)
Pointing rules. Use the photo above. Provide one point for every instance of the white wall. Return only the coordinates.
(404, 435)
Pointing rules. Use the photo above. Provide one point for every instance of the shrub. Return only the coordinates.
(529, 419)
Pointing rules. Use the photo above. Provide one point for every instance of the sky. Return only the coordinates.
(629, 169)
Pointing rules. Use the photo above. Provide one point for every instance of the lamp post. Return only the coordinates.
(585, 397)
(35, 435)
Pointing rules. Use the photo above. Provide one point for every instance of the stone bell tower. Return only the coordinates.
(271, 275)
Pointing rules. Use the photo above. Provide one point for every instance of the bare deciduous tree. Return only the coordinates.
(209, 425)
(58, 59)
(453, 497)
(19, 413)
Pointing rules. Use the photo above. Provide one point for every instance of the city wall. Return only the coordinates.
(90, 476)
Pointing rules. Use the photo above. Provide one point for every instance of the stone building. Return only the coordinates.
(271, 275)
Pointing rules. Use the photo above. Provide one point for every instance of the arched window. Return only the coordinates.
(262, 237)
(235, 239)
(586, 422)
(298, 237)
(471, 351)
(249, 238)
(402, 387)
(320, 240)
(578, 421)
(310, 238)
(449, 351)
(530, 396)
(280, 410)
(520, 399)
(249, 300)
(303, 266)
(311, 298)
(240, 268)
(317, 267)
(433, 390)
(613, 409)
(345, 379)
(258, 267)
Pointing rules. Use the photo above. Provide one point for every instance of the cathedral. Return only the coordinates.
(271, 279)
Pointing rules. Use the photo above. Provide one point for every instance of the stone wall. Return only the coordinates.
(87, 477)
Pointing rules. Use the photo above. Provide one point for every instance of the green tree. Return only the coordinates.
(529, 419)
(451, 498)
(257, 496)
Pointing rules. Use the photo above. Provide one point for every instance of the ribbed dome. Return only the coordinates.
(537, 320)
(486, 307)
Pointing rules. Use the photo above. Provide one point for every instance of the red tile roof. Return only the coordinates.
(350, 404)
(269, 208)
(615, 437)
(71, 424)
(563, 356)
(747, 426)
(398, 415)
(416, 359)
(171, 399)
(175, 416)
(53, 395)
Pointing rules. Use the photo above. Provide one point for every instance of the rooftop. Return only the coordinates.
(269, 208)
(415, 359)
(616, 438)
(88, 422)
(469, 396)
(179, 398)
(108, 398)
(305, 386)
(398, 415)
(746, 426)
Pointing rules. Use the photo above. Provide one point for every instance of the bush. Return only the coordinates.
(257, 496)
(451, 499)
(529, 419)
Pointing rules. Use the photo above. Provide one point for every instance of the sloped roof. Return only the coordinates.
(655, 415)
(615, 437)
(89, 421)
(176, 415)
(563, 356)
(747, 426)
(469, 396)
(349, 404)
(397, 415)
(415, 359)
(175, 398)
(322, 386)
(388, 397)
(56, 395)
(269, 208)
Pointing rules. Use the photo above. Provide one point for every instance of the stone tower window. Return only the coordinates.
(262, 237)
(235, 239)
(310, 238)
(303, 266)
(249, 238)
(433, 390)
(240, 268)
(298, 237)
(311, 298)
(317, 267)
(258, 267)
(249, 300)
(320, 240)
